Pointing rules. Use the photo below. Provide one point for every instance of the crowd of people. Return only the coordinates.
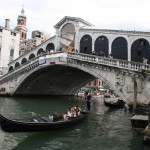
(70, 113)
(102, 54)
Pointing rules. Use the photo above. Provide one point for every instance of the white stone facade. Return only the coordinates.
(9, 44)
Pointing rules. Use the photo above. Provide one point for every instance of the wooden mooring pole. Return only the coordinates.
(149, 115)
(135, 95)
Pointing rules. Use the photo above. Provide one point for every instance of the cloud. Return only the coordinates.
(108, 14)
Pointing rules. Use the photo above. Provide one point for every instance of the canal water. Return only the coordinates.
(104, 129)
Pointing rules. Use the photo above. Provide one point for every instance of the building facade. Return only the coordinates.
(86, 38)
(38, 37)
(14, 42)
(9, 46)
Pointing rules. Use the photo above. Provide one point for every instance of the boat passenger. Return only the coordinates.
(55, 116)
(78, 111)
(33, 114)
(50, 118)
(69, 112)
(65, 116)
(74, 112)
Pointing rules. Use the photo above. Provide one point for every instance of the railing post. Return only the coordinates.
(117, 63)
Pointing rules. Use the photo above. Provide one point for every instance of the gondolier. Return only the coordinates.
(88, 101)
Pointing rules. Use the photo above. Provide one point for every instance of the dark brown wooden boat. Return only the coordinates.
(114, 104)
(9, 125)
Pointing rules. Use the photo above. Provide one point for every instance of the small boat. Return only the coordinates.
(9, 125)
(118, 103)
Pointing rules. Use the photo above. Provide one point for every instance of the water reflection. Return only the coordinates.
(103, 129)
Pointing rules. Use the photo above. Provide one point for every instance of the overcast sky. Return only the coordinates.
(105, 14)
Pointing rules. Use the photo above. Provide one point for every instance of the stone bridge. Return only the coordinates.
(67, 77)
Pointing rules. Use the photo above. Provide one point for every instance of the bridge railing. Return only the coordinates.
(124, 64)
(28, 65)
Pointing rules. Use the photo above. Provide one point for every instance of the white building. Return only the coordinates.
(14, 42)
(9, 46)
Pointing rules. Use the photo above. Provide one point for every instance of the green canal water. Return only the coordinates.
(104, 129)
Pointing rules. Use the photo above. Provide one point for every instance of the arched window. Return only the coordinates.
(40, 51)
(10, 68)
(101, 44)
(22, 35)
(86, 44)
(24, 60)
(11, 55)
(49, 47)
(139, 49)
(31, 56)
(17, 64)
(119, 48)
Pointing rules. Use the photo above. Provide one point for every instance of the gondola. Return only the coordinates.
(118, 103)
(9, 125)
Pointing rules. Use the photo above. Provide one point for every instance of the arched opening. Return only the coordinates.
(10, 68)
(119, 48)
(140, 49)
(31, 56)
(67, 36)
(86, 44)
(40, 52)
(49, 47)
(17, 64)
(24, 60)
(101, 44)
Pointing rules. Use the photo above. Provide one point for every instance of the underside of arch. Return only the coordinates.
(54, 80)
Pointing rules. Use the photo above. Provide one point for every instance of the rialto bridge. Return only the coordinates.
(66, 73)
(83, 36)
(27, 77)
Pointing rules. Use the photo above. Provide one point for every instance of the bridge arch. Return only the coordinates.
(40, 51)
(24, 60)
(17, 64)
(119, 48)
(10, 68)
(78, 77)
(101, 44)
(140, 48)
(50, 46)
(31, 56)
(86, 44)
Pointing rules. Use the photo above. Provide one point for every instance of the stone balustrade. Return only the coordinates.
(122, 64)
(21, 69)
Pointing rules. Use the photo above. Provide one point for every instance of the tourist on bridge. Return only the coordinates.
(110, 55)
(144, 60)
(93, 53)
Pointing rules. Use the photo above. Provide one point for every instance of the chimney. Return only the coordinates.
(7, 23)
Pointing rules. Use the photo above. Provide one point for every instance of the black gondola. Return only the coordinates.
(8, 125)
(114, 104)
